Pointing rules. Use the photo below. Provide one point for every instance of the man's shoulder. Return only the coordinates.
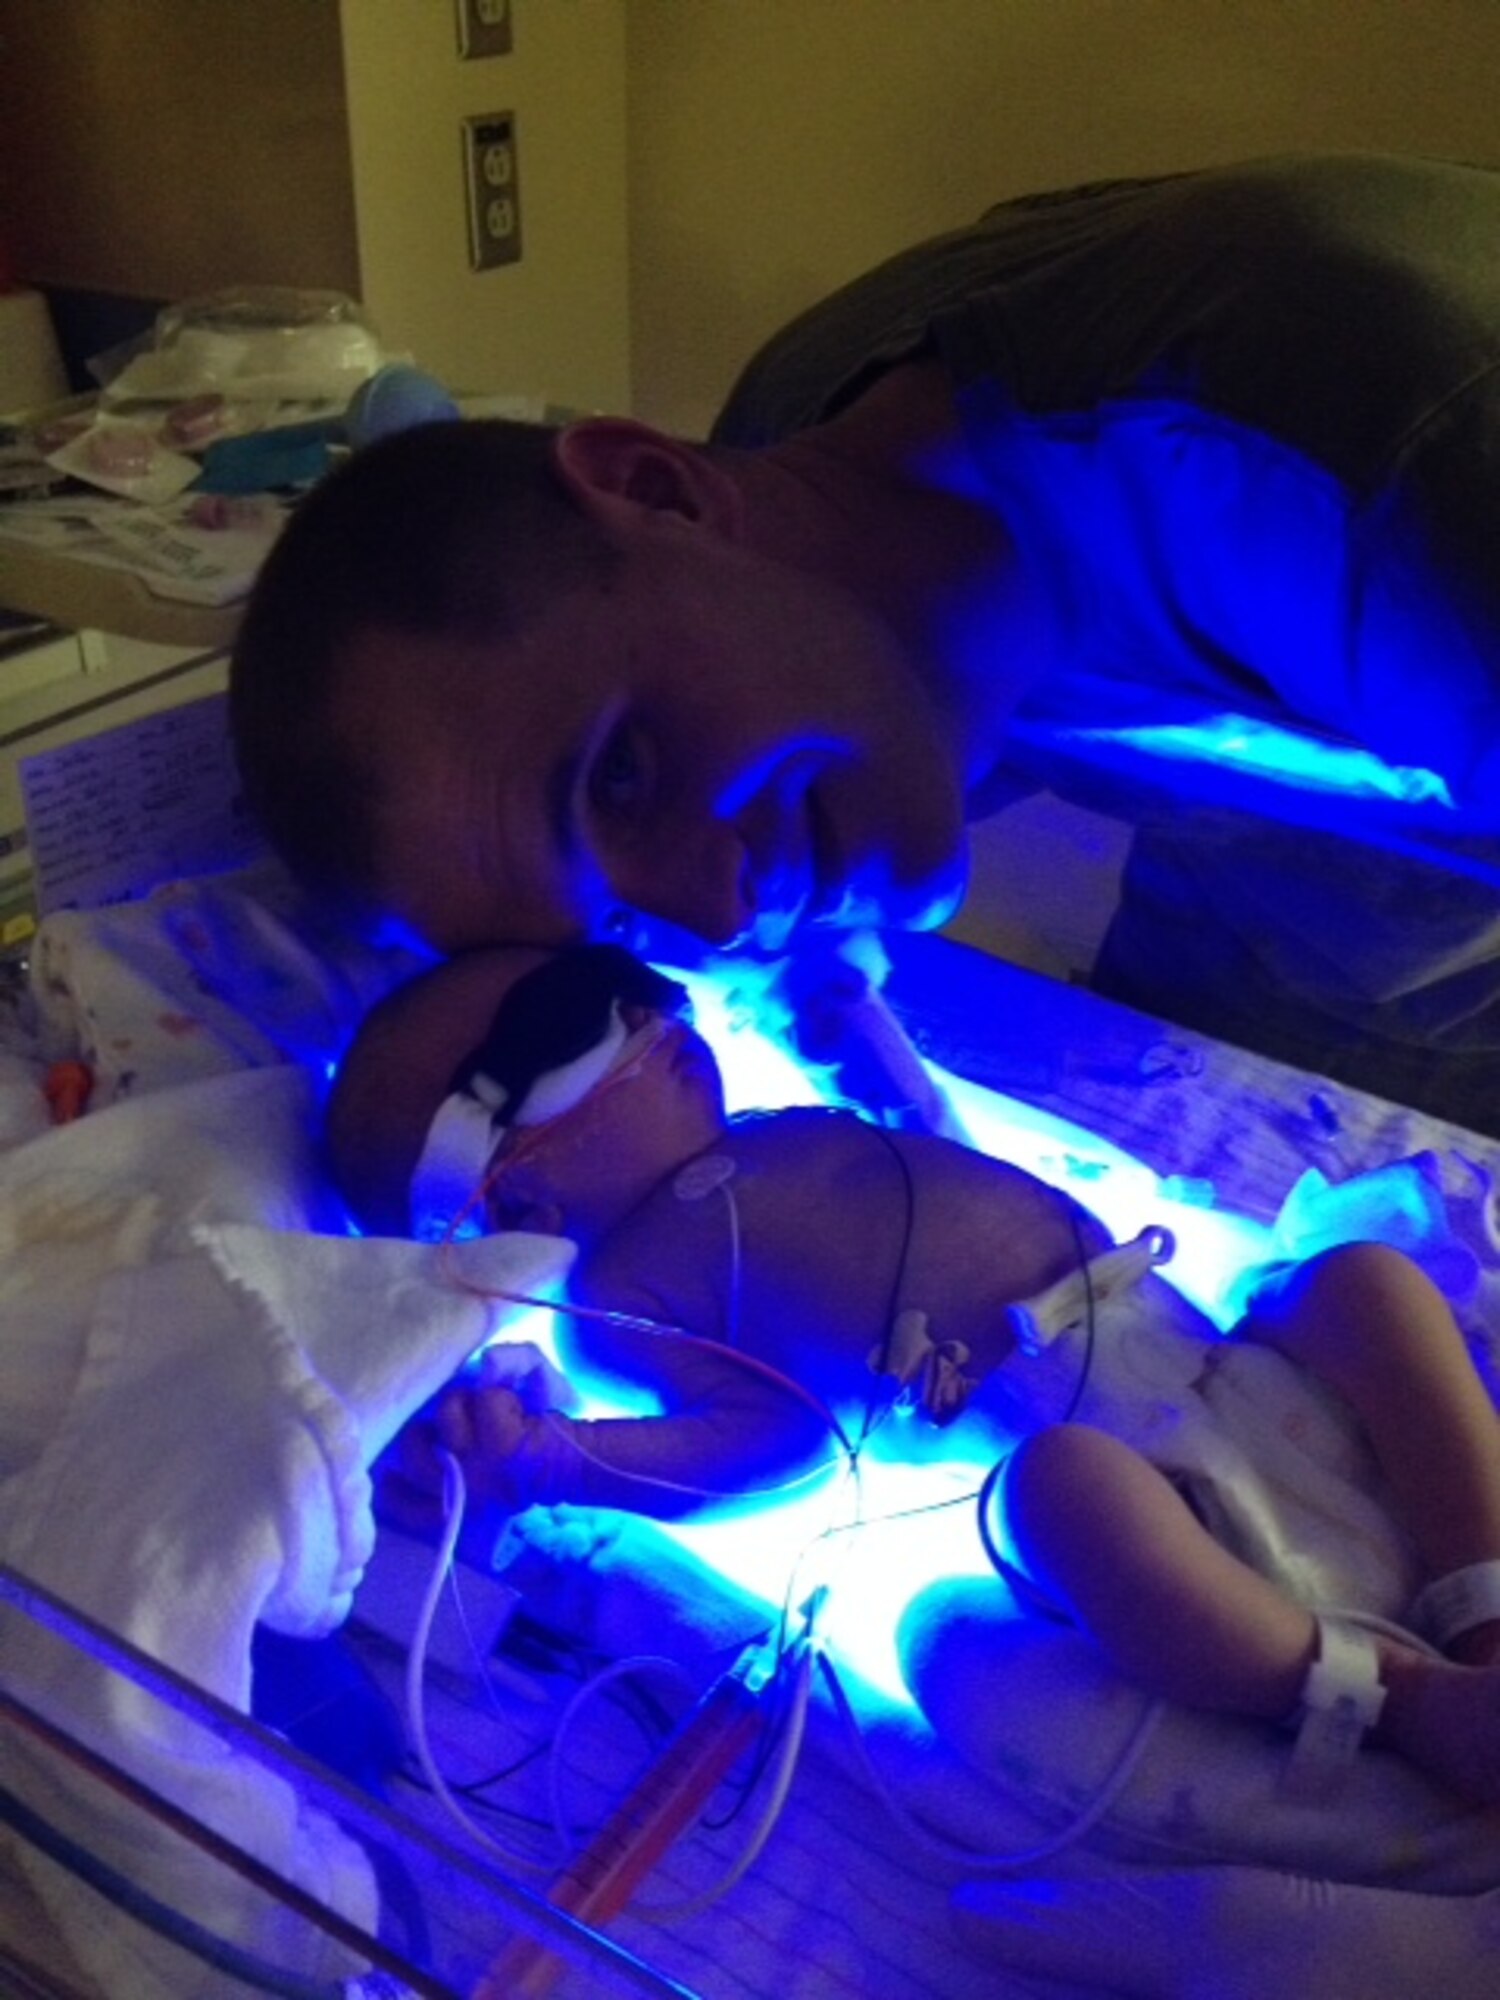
(1325, 194)
(1055, 279)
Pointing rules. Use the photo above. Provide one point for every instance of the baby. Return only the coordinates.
(778, 1281)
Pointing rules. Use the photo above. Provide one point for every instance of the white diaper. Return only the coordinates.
(1276, 1466)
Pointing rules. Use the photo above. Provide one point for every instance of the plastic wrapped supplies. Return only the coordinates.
(255, 342)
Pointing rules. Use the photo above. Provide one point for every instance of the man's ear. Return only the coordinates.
(622, 474)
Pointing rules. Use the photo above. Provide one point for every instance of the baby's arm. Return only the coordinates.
(729, 1428)
(732, 1444)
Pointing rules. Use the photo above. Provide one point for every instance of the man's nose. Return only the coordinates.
(701, 883)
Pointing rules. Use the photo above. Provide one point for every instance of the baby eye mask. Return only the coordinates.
(555, 1035)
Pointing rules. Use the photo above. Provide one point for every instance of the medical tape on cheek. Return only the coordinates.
(469, 1126)
(458, 1147)
(570, 1003)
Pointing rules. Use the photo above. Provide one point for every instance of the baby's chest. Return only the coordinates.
(829, 1309)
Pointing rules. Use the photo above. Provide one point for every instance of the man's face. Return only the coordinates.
(715, 740)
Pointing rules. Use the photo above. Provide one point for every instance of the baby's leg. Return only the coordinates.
(1106, 1535)
(1103, 1533)
(1369, 1323)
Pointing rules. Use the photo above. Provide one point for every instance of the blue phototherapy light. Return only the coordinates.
(910, 1519)
(1265, 750)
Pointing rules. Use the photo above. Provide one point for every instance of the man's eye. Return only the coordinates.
(618, 779)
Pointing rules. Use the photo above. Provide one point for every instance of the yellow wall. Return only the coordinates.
(556, 324)
(692, 171)
(777, 146)
(159, 148)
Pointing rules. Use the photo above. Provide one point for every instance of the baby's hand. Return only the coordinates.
(408, 1478)
(522, 1366)
(500, 1447)
(824, 984)
(484, 1427)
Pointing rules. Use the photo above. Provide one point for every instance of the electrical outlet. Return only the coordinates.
(484, 28)
(494, 189)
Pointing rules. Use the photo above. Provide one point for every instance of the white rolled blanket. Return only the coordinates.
(208, 1386)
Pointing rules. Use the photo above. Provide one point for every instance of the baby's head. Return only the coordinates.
(568, 1081)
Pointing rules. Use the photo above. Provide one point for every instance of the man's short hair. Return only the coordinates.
(455, 531)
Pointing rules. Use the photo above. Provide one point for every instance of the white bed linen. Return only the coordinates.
(204, 1382)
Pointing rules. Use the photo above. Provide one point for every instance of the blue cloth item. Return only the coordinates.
(394, 399)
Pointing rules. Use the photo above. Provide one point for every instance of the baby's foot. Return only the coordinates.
(1445, 1718)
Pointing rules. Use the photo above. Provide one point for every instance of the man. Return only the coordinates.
(1144, 452)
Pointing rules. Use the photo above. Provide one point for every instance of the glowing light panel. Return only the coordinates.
(1245, 743)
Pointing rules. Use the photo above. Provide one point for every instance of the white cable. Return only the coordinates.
(416, 1661)
(784, 1770)
(825, 1540)
(1386, 1627)
(1020, 1857)
(481, 1668)
(616, 1670)
(736, 1273)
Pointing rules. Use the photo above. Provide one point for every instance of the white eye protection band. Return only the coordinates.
(555, 1034)
(471, 1123)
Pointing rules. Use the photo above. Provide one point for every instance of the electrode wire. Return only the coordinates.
(454, 1497)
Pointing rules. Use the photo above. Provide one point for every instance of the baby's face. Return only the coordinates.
(661, 1103)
